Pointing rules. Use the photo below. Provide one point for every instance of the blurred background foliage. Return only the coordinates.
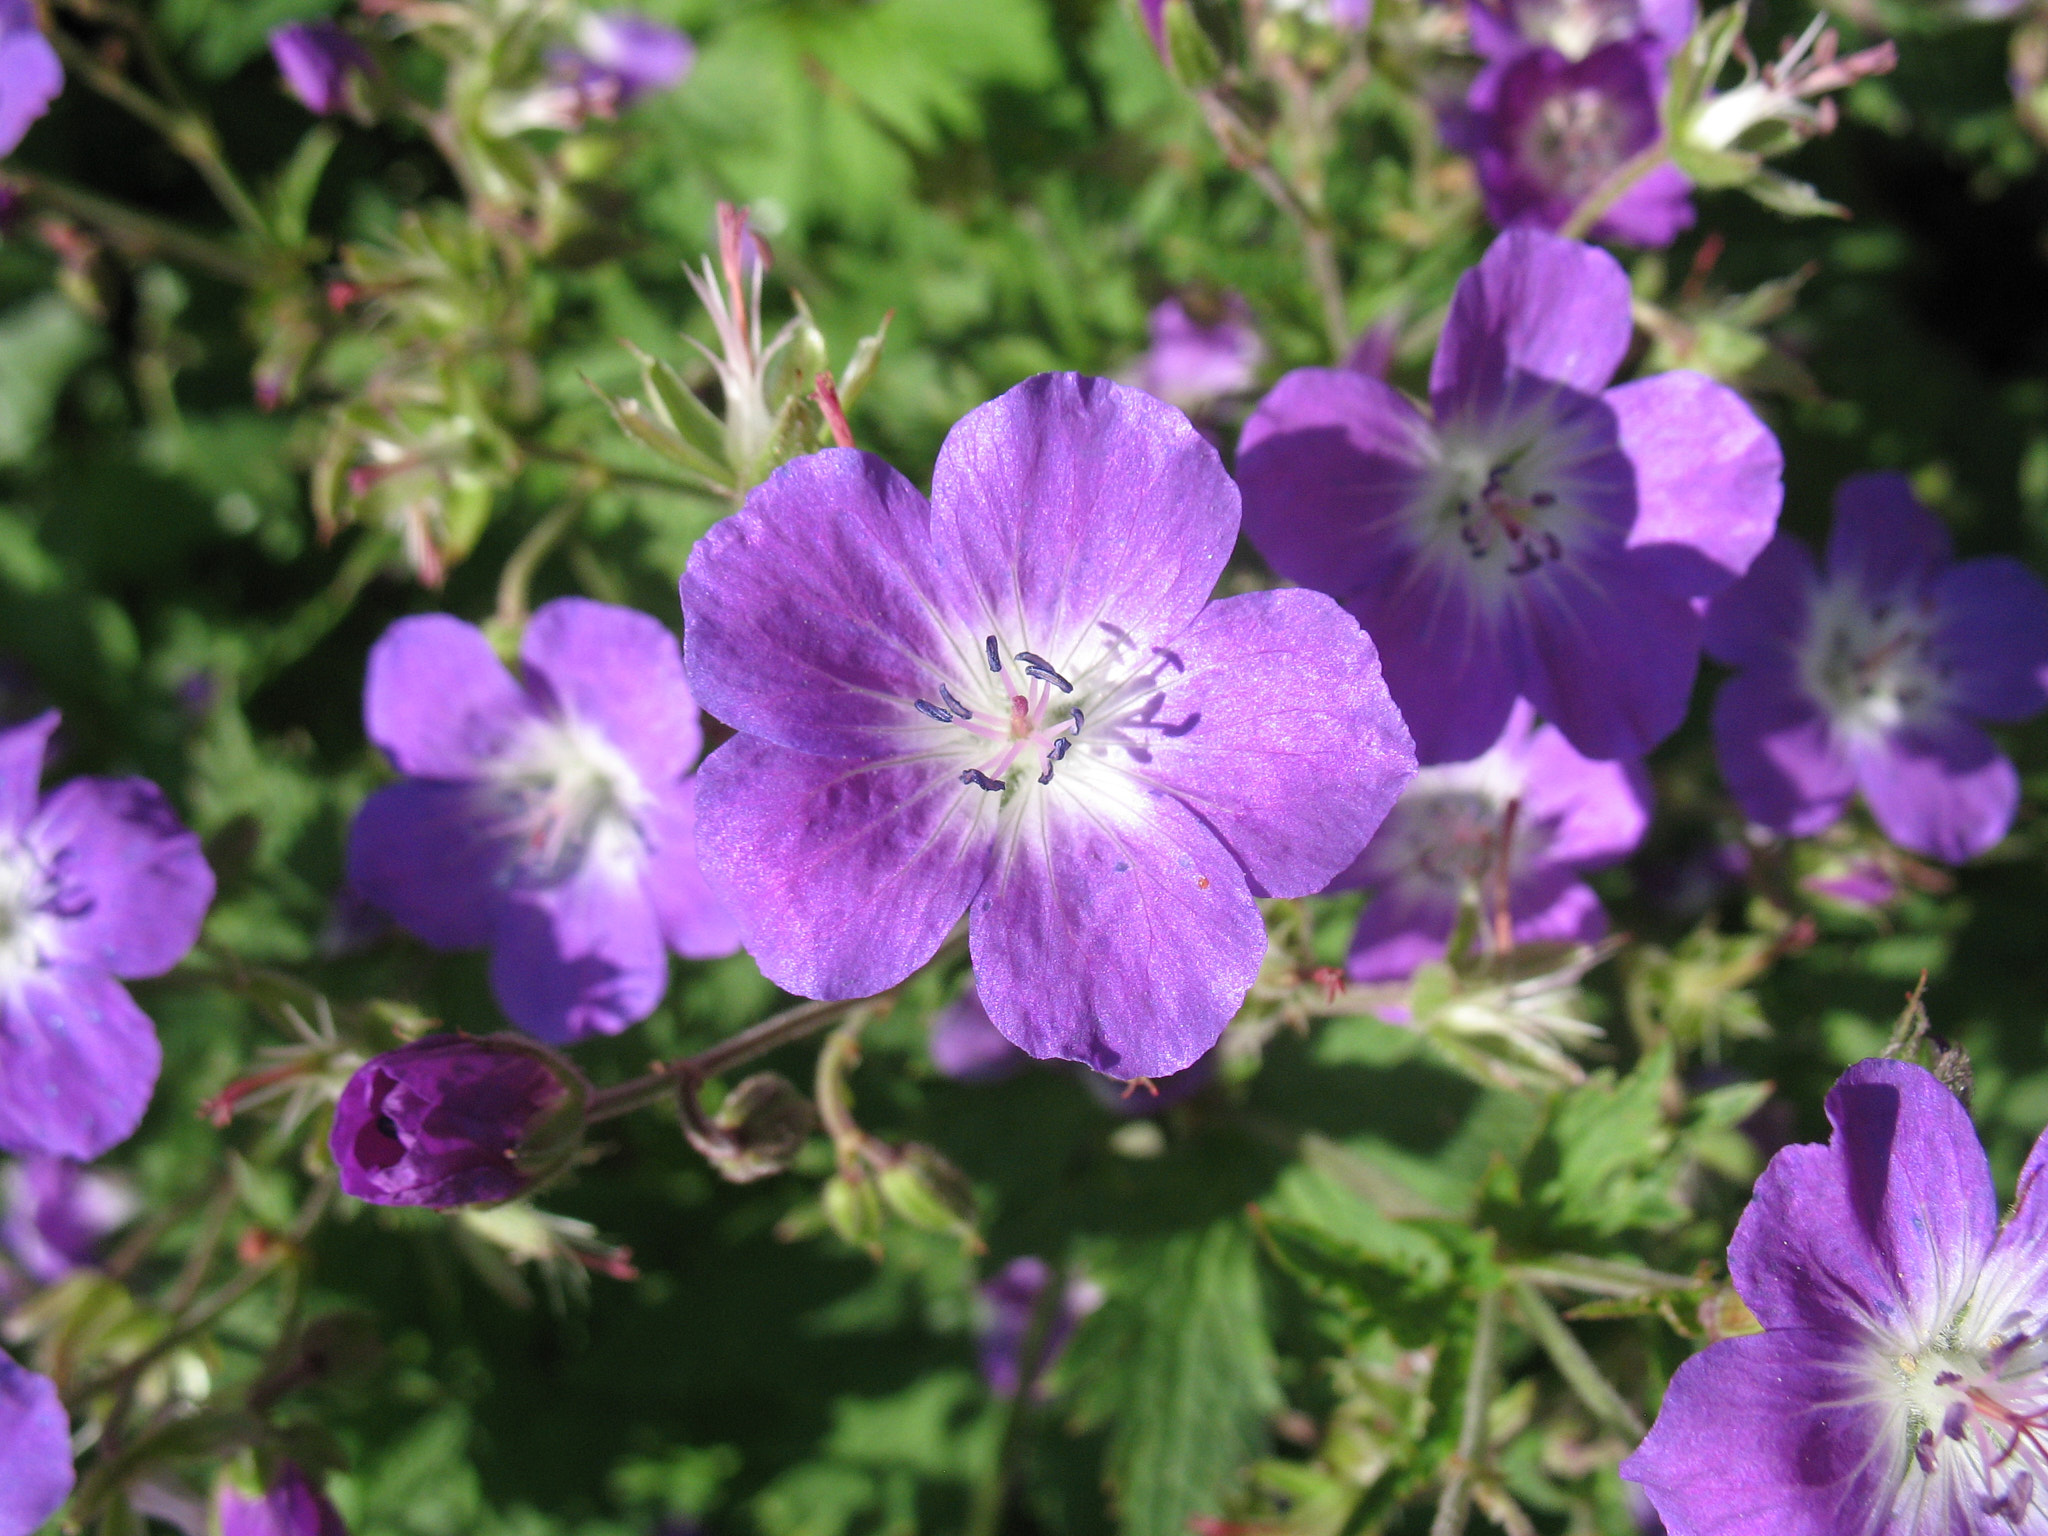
(1018, 182)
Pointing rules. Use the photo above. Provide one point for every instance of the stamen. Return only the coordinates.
(1078, 718)
(932, 711)
(1923, 1450)
(995, 656)
(1956, 1420)
(1037, 666)
(1059, 747)
(954, 704)
(1046, 777)
(981, 780)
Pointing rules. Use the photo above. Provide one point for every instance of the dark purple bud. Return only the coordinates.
(291, 1507)
(318, 61)
(1012, 1328)
(457, 1120)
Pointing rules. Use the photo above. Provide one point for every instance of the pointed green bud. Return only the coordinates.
(928, 1192)
(854, 1209)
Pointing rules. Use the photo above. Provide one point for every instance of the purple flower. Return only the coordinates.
(455, 1120)
(550, 820)
(58, 1214)
(30, 74)
(1535, 536)
(1443, 840)
(1501, 29)
(1900, 1384)
(98, 880)
(1863, 883)
(292, 1507)
(1194, 361)
(966, 1046)
(1017, 701)
(1153, 1096)
(1154, 14)
(1546, 131)
(1010, 1307)
(619, 57)
(320, 63)
(1873, 677)
(35, 1450)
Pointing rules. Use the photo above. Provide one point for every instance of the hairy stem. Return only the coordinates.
(1456, 1503)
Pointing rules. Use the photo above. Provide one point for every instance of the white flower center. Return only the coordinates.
(562, 796)
(1576, 27)
(1979, 1417)
(1453, 818)
(1870, 667)
(30, 910)
(1576, 139)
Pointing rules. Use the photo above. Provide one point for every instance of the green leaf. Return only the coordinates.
(1179, 1368)
(42, 343)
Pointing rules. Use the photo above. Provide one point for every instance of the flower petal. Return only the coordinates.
(1611, 656)
(1594, 812)
(135, 877)
(1885, 1228)
(36, 1475)
(808, 615)
(693, 920)
(1538, 304)
(1121, 937)
(1942, 789)
(1401, 927)
(418, 850)
(437, 699)
(22, 751)
(1452, 661)
(1653, 212)
(1764, 615)
(1079, 508)
(845, 876)
(1330, 463)
(578, 958)
(1710, 479)
(1775, 1434)
(622, 671)
(1777, 754)
(33, 78)
(1553, 912)
(2012, 1293)
(1993, 636)
(1883, 536)
(1280, 734)
(78, 1062)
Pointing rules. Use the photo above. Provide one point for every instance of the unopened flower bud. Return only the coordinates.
(854, 1209)
(927, 1191)
(758, 1130)
(290, 1506)
(457, 1120)
(320, 64)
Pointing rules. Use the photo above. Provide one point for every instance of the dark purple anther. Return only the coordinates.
(981, 780)
(1059, 748)
(954, 704)
(995, 656)
(934, 712)
(1078, 719)
(1956, 1420)
(1047, 675)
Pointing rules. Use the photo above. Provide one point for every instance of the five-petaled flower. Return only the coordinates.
(1873, 675)
(1559, 815)
(1017, 701)
(1900, 1384)
(35, 1450)
(548, 819)
(98, 880)
(1537, 536)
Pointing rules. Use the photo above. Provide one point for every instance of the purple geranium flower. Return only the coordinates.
(1443, 841)
(1193, 361)
(58, 1213)
(291, 1507)
(35, 1450)
(1536, 536)
(1016, 701)
(30, 73)
(619, 57)
(98, 880)
(1546, 131)
(319, 62)
(550, 820)
(1900, 1384)
(966, 1046)
(455, 1120)
(1501, 29)
(1010, 1305)
(1874, 675)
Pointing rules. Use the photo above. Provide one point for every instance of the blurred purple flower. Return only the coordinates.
(1535, 536)
(1546, 131)
(1154, 1095)
(30, 74)
(98, 880)
(453, 1120)
(1900, 1384)
(551, 820)
(966, 1046)
(1010, 1304)
(319, 61)
(1154, 14)
(1444, 839)
(1017, 700)
(1501, 29)
(58, 1213)
(291, 1507)
(35, 1450)
(1863, 883)
(1873, 677)
(620, 57)
(1193, 362)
